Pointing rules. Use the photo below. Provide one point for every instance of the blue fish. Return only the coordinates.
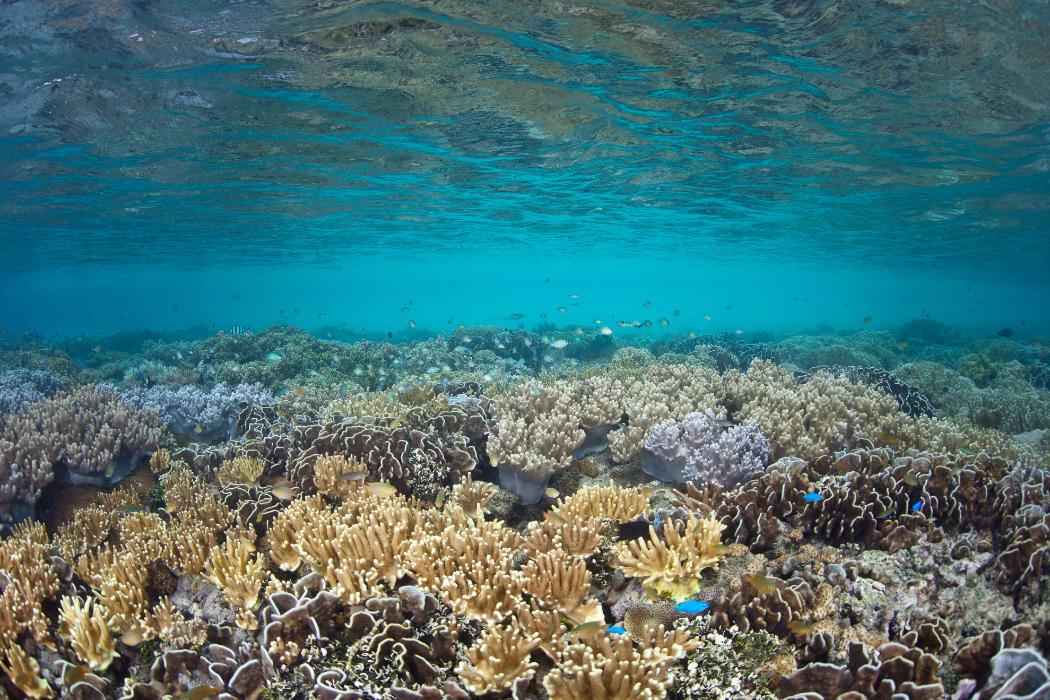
(617, 630)
(692, 607)
(812, 497)
(917, 506)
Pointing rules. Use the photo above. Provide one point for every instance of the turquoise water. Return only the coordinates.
(772, 165)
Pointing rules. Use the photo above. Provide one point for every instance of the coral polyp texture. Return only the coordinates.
(715, 519)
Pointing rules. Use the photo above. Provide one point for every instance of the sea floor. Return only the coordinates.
(546, 513)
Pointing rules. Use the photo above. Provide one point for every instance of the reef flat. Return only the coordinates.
(545, 513)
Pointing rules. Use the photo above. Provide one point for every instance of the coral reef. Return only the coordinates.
(345, 536)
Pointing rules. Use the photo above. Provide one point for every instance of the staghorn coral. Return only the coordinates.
(670, 563)
(19, 387)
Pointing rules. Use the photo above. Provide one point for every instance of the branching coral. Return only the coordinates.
(604, 503)
(559, 581)
(362, 547)
(670, 563)
(233, 568)
(498, 660)
(819, 416)
(240, 470)
(607, 668)
(24, 672)
(82, 623)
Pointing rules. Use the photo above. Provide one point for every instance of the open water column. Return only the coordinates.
(548, 350)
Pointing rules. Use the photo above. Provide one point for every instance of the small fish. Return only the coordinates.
(866, 320)
(201, 692)
(555, 517)
(562, 309)
(966, 451)
(587, 629)
(381, 489)
(198, 428)
(574, 297)
(551, 493)
(439, 500)
(629, 324)
(174, 308)
(910, 478)
(111, 469)
(543, 314)
(97, 349)
(273, 358)
(648, 304)
(903, 345)
(559, 344)
(677, 312)
(800, 627)
(633, 530)
(761, 582)
(664, 323)
(404, 309)
(546, 280)
(74, 674)
(647, 323)
(354, 476)
(917, 506)
(127, 510)
(578, 331)
(283, 492)
(606, 330)
(885, 514)
(132, 637)
(1005, 333)
(411, 324)
(692, 607)
(616, 629)
(890, 439)
(707, 318)
(236, 297)
(514, 317)
(812, 497)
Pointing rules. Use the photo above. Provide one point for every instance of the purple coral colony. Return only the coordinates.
(507, 513)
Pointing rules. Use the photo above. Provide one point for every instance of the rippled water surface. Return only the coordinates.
(166, 163)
